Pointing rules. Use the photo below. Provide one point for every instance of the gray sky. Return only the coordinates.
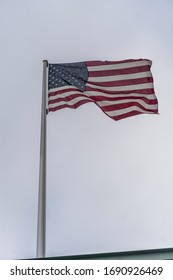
(109, 184)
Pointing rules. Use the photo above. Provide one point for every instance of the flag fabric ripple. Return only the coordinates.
(120, 88)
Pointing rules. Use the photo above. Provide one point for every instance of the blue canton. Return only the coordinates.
(66, 74)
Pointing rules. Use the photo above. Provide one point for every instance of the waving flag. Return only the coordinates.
(120, 88)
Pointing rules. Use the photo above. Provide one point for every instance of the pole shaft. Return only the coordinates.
(41, 223)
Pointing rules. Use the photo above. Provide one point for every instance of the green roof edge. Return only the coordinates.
(152, 254)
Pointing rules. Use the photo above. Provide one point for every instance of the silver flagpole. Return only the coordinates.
(41, 223)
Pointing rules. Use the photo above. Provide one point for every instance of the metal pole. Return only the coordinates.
(41, 223)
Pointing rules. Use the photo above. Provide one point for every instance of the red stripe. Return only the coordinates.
(123, 82)
(99, 63)
(123, 116)
(132, 70)
(101, 98)
(143, 91)
(63, 91)
(67, 98)
(126, 105)
(147, 101)
(126, 115)
(76, 105)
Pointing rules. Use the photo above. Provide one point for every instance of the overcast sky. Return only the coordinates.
(109, 184)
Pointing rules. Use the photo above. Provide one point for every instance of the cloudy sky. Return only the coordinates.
(109, 184)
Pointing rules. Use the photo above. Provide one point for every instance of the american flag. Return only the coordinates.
(120, 88)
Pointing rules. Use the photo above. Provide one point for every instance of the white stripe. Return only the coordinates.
(120, 77)
(64, 94)
(102, 94)
(95, 93)
(62, 88)
(119, 65)
(104, 103)
(123, 88)
(141, 102)
(71, 102)
(126, 110)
